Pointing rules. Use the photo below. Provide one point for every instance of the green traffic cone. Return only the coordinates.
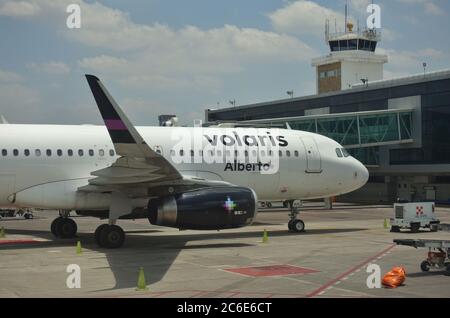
(79, 250)
(385, 225)
(2, 232)
(141, 285)
(265, 237)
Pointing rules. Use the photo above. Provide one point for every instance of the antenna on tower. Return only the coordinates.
(346, 15)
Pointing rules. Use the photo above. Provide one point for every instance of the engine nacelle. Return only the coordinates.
(205, 209)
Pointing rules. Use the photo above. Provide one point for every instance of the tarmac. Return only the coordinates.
(330, 259)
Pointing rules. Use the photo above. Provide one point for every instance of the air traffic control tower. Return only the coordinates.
(352, 59)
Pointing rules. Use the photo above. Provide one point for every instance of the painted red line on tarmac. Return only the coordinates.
(19, 241)
(350, 271)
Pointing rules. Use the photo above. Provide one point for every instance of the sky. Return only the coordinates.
(184, 56)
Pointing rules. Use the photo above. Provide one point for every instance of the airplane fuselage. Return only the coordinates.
(43, 165)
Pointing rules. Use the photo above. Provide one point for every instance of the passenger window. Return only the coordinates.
(4, 152)
(254, 153)
(80, 152)
(270, 153)
(91, 152)
(111, 152)
(101, 152)
(219, 153)
(246, 153)
(288, 153)
(172, 153)
(26, 152)
(345, 152)
(48, 152)
(59, 152)
(338, 152)
(37, 152)
(280, 153)
(70, 152)
(15, 152)
(200, 153)
(296, 153)
(192, 153)
(228, 154)
(181, 152)
(263, 153)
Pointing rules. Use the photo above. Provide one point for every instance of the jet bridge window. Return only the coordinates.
(339, 152)
(4, 152)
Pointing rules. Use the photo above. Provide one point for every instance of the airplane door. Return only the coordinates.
(313, 160)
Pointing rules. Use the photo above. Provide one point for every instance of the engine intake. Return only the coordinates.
(205, 209)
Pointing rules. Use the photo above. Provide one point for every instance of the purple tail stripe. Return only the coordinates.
(115, 124)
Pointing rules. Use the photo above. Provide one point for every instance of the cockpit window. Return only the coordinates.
(345, 152)
(338, 152)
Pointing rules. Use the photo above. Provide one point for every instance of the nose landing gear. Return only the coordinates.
(295, 225)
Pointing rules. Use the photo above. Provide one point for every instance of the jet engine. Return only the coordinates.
(205, 209)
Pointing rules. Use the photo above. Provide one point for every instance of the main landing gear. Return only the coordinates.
(106, 235)
(295, 225)
(109, 236)
(64, 227)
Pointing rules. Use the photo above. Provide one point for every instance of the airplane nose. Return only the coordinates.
(361, 174)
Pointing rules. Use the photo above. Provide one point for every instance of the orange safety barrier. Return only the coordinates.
(394, 278)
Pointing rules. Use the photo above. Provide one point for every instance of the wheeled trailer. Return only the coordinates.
(438, 251)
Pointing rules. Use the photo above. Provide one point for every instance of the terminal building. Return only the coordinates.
(399, 128)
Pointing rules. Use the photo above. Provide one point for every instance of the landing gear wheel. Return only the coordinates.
(67, 228)
(269, 204)
(98, 231)
(64, 228)
(298, 226)
(425, 266)
(447, 271)
(395, 229)
(112, 237)
(54, 227)
(415, 227)
(290, 225)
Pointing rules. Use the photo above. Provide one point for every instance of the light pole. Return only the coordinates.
(290, 93)
(233, 102)
(424, 64)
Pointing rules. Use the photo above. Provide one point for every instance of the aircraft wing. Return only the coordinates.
(139, 168)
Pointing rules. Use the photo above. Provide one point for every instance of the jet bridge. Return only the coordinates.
(353, 130)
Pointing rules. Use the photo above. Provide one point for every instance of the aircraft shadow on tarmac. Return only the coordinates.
(157, 253)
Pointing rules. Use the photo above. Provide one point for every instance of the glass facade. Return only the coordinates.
(360, 129)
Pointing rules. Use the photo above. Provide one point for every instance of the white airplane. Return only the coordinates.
(133, 172)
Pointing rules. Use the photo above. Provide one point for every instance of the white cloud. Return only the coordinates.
(9, 77)
(304, 17)
(52, 68)
(409, 62)
(429, 6)
(19, 8)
